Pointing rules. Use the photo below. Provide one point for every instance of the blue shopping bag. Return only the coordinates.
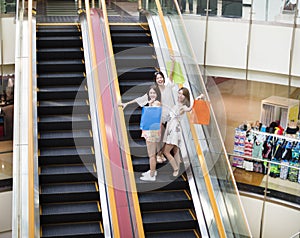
(151, 118)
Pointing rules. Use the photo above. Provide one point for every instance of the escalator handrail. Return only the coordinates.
(100, 116)
(124, 138)
(31, 219)
(138, 221)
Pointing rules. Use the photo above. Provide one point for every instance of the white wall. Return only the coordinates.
(227, 42)
(8, 44)
(226, 54)
(279, 221)
(6, 235)
(6, 212)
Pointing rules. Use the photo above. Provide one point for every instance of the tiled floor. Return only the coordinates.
(6, 157)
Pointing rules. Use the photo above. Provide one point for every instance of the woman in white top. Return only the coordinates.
(173, 134)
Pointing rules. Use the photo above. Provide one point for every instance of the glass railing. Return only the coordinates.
(272, 181)
(257, 10)
(279, 179)
(204, 147)
(275, 11)
(8, 7)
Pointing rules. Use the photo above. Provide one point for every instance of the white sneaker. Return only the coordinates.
(148, 172)
(148, 177)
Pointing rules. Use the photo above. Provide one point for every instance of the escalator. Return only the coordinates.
(69, 201)
(166, 205)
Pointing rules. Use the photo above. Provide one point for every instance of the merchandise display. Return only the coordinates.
(253, 148)
(6, 107)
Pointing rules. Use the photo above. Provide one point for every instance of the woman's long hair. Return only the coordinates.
(156, 89)
(158, 73)
(186, 93)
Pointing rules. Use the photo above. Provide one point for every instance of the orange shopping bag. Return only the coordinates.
(200, 113)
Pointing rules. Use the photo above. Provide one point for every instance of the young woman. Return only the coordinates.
(166, 92)
(152, 137)
(172, 136)
(165, 87)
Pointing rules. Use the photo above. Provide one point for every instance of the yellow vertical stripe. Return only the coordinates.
(113, 208)
(30, 130)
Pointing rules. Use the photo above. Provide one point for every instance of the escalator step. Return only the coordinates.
(64, 138)
(132, 117)
(136, 74)
(66, 169)
(70, 212)
(56, 42)
(67, 173)
(63, 103)
(89, 229)
(130, 38)
(138, 148)
(170, 220)
(65, 134)
(74, 27)
(71, 31)
(56, 93)
(164, 181)
(127, 29)
(134, 131)
(130, 91)
(164, 200)
(62, 107)
(141, 48)
(174, 234)
(68, 208)
(135, 61)
(62, 78)
(64, 122)
(60, 66)
(68, 192)
(65, 159)
(59, 53)
(65, 142)
(63, 89)
(140, 86)
(78, 151)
